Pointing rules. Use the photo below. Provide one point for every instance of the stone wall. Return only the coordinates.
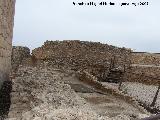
(6, 33)
(145, 68)
(19, 54)
(145, 58)
(146, 74)
(93, 57)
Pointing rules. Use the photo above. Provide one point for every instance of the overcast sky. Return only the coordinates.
(136, 27)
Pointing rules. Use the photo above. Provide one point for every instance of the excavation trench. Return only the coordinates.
(104, 104)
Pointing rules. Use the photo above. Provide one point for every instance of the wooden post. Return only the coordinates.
(120, 84)
(155, 97)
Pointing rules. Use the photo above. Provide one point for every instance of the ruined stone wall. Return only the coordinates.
(19, 54)
(145, 58)
(81, 55)
(146, 74)
(6, 33)
(145, 68)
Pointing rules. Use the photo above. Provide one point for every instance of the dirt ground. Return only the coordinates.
(105, 105)
(52, 94)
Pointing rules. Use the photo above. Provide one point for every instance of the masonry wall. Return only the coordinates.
(7, 8)
(93, 57)
(144, 74)
(145, 58)
(19, 54)
(145, 68)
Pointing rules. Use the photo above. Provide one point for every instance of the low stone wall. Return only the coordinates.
(145, 58)
(146, 74)
(93, 57)
(145, 68)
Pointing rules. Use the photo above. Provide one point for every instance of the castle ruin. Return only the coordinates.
(6, 32)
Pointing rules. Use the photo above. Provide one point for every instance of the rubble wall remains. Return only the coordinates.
(145, 68)
(145, 58)
(93, 57)
(19, 54)
(6, 33)
(146, 74)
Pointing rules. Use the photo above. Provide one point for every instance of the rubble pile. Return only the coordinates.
(82, 55)
(39, 94)
(18, 55)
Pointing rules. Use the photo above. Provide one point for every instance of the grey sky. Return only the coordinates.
(134, 27)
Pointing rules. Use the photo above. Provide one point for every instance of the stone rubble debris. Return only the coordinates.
(40, 94)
